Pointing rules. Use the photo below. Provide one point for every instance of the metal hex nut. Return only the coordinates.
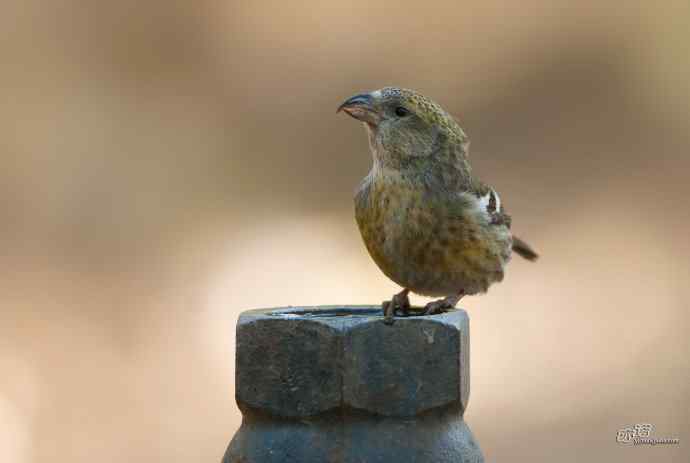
(300, 362)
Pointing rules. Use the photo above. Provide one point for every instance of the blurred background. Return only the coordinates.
(165, 165)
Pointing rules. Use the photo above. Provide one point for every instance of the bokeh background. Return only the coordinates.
(166, 164)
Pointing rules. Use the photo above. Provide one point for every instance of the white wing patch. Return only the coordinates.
(498, 200)
(490, 202)
(483, 202)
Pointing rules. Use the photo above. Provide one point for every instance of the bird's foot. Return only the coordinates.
(436, 307)
(442, 305)
(400, 302)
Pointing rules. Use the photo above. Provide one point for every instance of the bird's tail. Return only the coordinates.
(524, 249)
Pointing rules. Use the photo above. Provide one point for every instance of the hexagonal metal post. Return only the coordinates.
(336, 385)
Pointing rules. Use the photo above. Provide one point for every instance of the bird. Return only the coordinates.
(428, 222)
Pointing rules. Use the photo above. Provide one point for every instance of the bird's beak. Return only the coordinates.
(361, 107)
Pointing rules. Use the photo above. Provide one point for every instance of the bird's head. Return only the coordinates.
(404, 125)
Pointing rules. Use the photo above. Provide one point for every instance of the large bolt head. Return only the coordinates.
(300, 362)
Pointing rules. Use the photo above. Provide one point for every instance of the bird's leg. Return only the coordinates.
(399, 301)
(442, 305)
(402, 302)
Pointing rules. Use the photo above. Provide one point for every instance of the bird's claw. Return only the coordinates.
(388, 312)
(436, 307)
(399, 302)
(443, 305)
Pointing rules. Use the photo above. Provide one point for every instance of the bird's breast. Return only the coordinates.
(422, 243)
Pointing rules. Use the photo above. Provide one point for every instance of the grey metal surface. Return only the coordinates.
(336, 384)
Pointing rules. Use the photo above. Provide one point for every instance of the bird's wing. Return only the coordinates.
(489, 201)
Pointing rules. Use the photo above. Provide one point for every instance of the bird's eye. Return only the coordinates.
(401, 111)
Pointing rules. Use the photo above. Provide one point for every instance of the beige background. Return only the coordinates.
(167, 164)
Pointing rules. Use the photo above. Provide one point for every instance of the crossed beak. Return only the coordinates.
(361, 107)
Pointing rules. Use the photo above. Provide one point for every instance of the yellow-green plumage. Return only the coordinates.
(428, 242)
(427, 221)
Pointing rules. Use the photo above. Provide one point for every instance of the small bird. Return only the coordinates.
(427, 221)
